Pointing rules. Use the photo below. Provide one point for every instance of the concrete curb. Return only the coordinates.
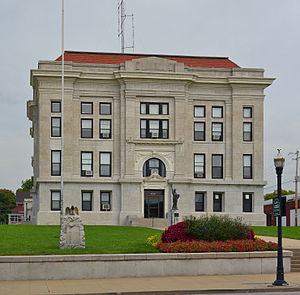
(187, 292)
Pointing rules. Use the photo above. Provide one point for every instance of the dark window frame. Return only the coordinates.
(199, 106)
(109, 165)
(83, 172)
(248, 204)
(249, 168)
(105, 202)
(90, 202)
(52, 106)
(245, 133)
(100, 129)
(213, 168)
(87, 103)
(160, 108)
(52, 163)
(110, 108)
(161, 131)
(212, 131)
(92, 128)
(161, 168)
(217, 107)
(200, 205)
(204, 170)
(218, 205)
(54, 128)
(251, 112)
(52, 201)
(203, 133)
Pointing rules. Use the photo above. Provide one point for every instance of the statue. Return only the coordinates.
(72, 211)
(175, 199)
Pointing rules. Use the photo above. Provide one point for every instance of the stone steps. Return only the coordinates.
(295, 261)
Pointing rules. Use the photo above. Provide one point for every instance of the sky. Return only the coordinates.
(252, 33)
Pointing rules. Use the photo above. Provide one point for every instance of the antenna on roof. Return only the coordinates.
(121, 24)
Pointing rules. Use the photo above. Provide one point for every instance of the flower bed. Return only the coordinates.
(216, 246)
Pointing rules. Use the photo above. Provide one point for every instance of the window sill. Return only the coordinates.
(155, 141)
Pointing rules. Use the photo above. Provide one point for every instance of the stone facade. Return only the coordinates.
(153, 103)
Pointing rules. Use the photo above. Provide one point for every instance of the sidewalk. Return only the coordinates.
(286, 243)
(153, 285)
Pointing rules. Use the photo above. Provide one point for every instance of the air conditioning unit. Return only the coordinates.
(216, 137)
(154, 134)
(105, 206)
(105, 135)
(199, 174)
(88, 173)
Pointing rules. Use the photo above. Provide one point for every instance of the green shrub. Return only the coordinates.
(216, 228)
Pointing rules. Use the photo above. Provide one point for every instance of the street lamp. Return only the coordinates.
(279, 163)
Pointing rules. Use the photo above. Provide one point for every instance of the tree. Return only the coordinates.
(7, 202)
(274, 194)
(26, 185)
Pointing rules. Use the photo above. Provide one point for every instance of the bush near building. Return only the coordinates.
(211, 234)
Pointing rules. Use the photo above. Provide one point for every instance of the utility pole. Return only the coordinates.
(296, 187)
(296, 190)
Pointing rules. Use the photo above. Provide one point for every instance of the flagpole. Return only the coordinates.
(62, 112)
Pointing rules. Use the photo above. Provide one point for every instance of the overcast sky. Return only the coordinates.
(252, 33)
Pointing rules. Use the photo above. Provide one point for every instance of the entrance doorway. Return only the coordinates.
(154, 204)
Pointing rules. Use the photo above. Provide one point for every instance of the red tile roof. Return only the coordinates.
(117, 58)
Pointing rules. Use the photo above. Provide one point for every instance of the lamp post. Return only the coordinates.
(279, 163)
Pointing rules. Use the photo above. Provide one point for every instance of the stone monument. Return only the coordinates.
(72, 231)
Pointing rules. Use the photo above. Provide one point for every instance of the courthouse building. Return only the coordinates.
(136, 125)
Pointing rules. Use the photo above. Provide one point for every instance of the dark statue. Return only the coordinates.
(175, 199)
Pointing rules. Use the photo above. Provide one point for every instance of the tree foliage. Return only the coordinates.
(7, 202)
(26, 185)
(274, 194)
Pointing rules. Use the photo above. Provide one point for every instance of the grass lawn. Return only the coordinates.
(44, 240)
(290, 232)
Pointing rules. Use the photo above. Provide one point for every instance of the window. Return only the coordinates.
(247, 131)
(217, 202)
(86, 163)
(105, 164)
(55, 126)
(217, 132)
(199, 202)
(217, 112)
(199, 166)
(247, 202)
(55, 200)
(87, 128)
(247, 112)
(247, 166)
(217, 166)
(199, 131)
(154, 165)
(154, 128)
(154, 108)
(87, 201)
(105, 201)
(199, 111)
(105, 128)
(105, 108)
(86, 108)
(55, 163)
(55, 106)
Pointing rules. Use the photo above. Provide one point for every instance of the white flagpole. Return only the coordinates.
(62, 112)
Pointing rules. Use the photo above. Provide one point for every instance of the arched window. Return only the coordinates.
(154, 165)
